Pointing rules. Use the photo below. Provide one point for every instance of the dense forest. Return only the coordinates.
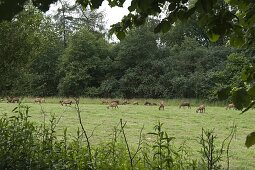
(69, 53)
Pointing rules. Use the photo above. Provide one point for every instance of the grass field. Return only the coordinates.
(184, 124)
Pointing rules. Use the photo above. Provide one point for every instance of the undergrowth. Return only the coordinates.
(25, 145)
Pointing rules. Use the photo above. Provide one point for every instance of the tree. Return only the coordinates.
(43, 69)
(10, 8)
(82, 65)
(136, 65)
(218, 17)
(70, 18)
(19, 43)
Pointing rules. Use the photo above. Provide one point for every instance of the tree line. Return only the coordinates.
(70, 55)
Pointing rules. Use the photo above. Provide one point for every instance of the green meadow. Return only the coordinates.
(184, 124)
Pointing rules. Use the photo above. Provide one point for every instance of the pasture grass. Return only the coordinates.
(184, 124)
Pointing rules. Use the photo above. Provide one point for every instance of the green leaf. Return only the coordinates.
(250, 106)
(133, 6)
(251, 90)
(15, 109)
(248, 74)
(144, 5)
(172, 6)
(165, 26)
(213, 37)
(96, 3)
(139, 20)
(83, 3)
(157, 29)
(152, 133)
(237, 41)
(250, 140)
(207, 5)
(240, 97)
(121, 35)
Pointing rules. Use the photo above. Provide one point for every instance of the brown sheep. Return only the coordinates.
(9, 99)
(39, 100)
(230, 106)
(136, 103)
(66, 102)
(105, 101)
(201, 109)
(125, 102)
(161, 105)
(113, 105)
(116, 101)
(183, 104)
(12, 99)
(147, 103)
(43, 100)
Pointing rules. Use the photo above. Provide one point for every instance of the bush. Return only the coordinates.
(24, 145)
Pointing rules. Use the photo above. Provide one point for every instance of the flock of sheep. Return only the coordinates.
(115, 103)
(200, 109)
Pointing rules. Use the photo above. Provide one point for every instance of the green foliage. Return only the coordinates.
(17, 139)
(144, 65)
(212, 155)
(69, 18)
(43, 69)
(216, 18)
(9, 9)
(229, 76)
(163, 152)
(27, 146)
(83, 64)
(250, 140)
(19, 43)
(163, 69)
(245, 91)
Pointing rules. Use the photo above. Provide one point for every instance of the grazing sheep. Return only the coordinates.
(136, 103)
(147, 103)
(116, 101)
(12, 99)
(113, 105)
(9, 99)
(231, 106)
(161, 105)
(125, 102)
(43, 100)
(39, 100)
(105, 101)
(183, 104)
(66, 102)
(201, 109)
